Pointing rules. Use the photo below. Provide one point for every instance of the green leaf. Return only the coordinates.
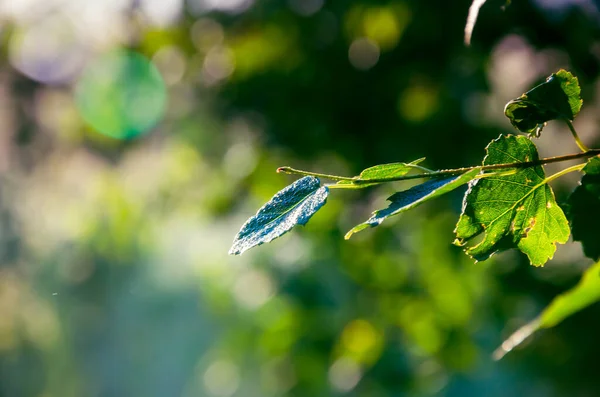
(584, 210)
(407, 199)
(512, 211)
(386, 171)
(294, 205)
(557, 98)
(582, 295)
(381, 172)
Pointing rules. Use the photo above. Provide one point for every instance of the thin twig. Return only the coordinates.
(292, 171)
(437, 174)
(492, 167)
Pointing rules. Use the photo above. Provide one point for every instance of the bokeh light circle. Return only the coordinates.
(49, 52)
(363, 53)
(121, 94)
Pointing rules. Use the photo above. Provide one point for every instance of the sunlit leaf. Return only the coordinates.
(392, 170)
(512, 211)
(557, 98)
(582, 295)
(407, 199)
(294, 205)
(381, 172)
(584, 210)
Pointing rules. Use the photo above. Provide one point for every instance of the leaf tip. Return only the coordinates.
(237, 248)
(516, 339)
(356, 229)
(472, 19)
(350, 233)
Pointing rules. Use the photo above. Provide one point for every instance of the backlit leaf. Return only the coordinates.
(392, 170)
(294, 205)
(557, 98)
(584, 210)
(582, 295)
(407, 199)
(512, 211)
(380, 173)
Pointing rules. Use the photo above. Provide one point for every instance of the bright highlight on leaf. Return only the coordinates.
(471, 19)
(582, 295)
(408, 199)
(294, 205)
(512, 211)
(557, 98)
(584, 210)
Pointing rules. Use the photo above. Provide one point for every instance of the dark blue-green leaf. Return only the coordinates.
(294, 205)
(584, 210)
(407, 199)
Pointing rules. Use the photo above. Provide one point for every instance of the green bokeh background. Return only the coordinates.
(114, 273)
(121, 95)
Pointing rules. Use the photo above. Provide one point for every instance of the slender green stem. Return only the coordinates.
(345, 186)
(290, 170)
(442, 173)
(560, 173)
(499, 173)
(577, 140)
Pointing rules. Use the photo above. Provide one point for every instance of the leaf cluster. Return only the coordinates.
(508, 204)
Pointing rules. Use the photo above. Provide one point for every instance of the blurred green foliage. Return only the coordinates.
(115, 278)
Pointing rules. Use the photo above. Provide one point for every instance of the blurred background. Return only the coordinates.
(136, 137)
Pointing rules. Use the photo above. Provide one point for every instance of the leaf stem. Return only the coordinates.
(496, 174)
(454, 171)
(560, 173)
(345, 186)
(577, 140)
